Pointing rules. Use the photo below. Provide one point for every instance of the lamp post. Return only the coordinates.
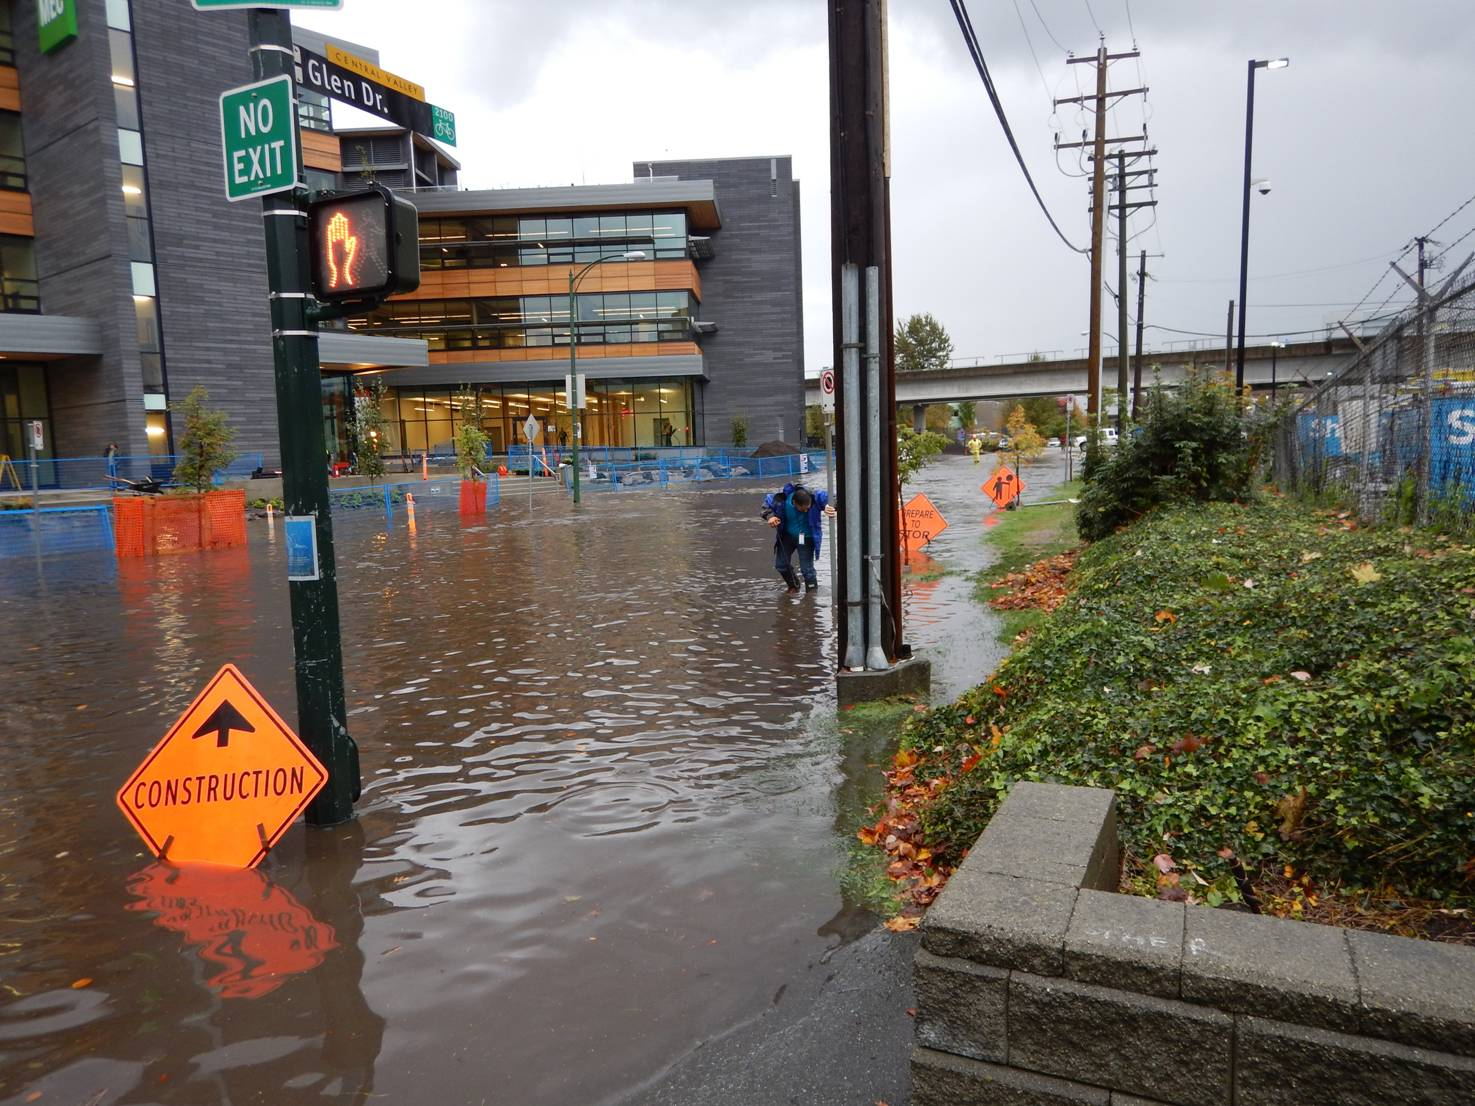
(1244, 232)
(1275, 347)
(573, 346)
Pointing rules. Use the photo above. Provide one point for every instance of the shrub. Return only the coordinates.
(739, 431)
(471, 440)
(205, 445)
(1194, 444)
(369, 427)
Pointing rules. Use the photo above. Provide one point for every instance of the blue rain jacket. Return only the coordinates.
(773, 507)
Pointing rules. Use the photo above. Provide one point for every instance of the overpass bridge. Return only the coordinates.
(1298, 363)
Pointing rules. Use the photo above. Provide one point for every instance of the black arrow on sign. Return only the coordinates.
(221, 721)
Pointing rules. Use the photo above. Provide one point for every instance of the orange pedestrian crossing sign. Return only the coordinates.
(226, 782)
(1003, 487)
(920, 522)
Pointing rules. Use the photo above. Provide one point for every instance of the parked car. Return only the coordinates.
(1108, 437)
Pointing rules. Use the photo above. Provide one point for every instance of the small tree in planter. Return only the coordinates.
(739, 431)
(207, 519)
(205, 445)
(368, 429)
(471, 453)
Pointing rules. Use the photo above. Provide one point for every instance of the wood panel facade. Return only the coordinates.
(552, 280)
(553, 353)
(9, 88)
(15, 214)
(321, 151)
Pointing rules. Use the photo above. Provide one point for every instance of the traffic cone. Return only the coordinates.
(271, 521)
(410, 509)
(424, 466)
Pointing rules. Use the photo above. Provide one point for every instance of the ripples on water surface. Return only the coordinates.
(598, 822)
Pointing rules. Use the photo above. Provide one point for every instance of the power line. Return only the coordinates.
(1045, 25)
(1092, 14)
(970, 39)
(1028, 42)
(1269, 334)
(1130, 29)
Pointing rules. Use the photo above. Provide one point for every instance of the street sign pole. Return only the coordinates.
(321, 708)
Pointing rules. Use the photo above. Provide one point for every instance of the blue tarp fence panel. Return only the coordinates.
(97, 473)
(52, 531)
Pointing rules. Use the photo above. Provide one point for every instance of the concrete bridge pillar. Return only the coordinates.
(919, 417)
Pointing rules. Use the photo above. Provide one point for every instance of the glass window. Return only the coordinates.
(612, 226)
(12, 152)
(320, 180)
(638, 225)
(130, 146)
(143, 279)
(120, 47)
(586, 226)
(504, 227)
(146, 313)
(616, 306)
(560, 229)
(643, 305)
(153, 371)
(118, 15)
(532, 230)
(7, 37)
(125, 103)
(135, 198)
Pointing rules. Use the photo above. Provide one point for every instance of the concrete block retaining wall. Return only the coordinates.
(1038, 985)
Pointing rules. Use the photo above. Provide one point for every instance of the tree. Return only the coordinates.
(938, 417)
(739, 431)
(1047, 415)
(922, 345)
(368, 428)
(1024, 439)
(205, 445)
(814, 422)
(471, 439)
(968, 414)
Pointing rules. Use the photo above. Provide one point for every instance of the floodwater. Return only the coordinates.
(599, 823)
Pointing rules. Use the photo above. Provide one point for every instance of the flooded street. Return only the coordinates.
(599, 823)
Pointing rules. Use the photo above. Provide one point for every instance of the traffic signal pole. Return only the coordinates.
(316, 638)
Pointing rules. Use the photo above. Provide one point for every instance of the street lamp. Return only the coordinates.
(573, 347)
(1275, 347)
(1244, 233)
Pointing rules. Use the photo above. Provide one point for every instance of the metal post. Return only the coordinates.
(1141, 307)
(828, 419)
(1098, 226)
(1274, 350)
(35, 469)
(1244, 227)
(875, 651)
(1121, 294)
(573, 380)
(321, 710)
(850, 382)
(1229, 337)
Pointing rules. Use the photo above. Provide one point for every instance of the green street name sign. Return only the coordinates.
(221, 5)
(258, 124)
(443, 125)
(56, 23)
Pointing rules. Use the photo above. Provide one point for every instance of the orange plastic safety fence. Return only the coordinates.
(148, 527)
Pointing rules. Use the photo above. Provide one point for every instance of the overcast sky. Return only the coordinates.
(1361, 138)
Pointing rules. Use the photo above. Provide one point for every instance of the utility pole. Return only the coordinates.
(1141, 305)
(1121, 295)
(322, 720)
(1098, 231)
(1229, 340)
(1098, 146)
(870, 631)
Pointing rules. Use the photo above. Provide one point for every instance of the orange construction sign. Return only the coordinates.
(226, 781)
(920, 523)
(1003, 487)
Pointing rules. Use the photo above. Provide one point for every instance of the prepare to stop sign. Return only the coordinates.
(258, 133)
(921, 522)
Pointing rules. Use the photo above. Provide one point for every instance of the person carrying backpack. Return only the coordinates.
(797, 517)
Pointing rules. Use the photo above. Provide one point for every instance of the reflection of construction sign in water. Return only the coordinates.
(921, 522)
(1003, 487)
(226, 781)
(253, 932)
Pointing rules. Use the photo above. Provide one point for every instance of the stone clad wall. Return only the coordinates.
(1038, 985)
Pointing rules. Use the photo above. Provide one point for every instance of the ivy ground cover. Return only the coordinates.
(1284, 704)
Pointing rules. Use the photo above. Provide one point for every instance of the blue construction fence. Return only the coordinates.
(98, 473)
(50, 531)
(392, 499)
(692, 467)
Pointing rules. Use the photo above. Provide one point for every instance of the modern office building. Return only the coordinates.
(128, 279)
(688, 317)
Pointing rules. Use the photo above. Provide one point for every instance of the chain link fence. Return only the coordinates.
(1392, 435)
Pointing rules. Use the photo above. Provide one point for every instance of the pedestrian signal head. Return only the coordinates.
(365, 245)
